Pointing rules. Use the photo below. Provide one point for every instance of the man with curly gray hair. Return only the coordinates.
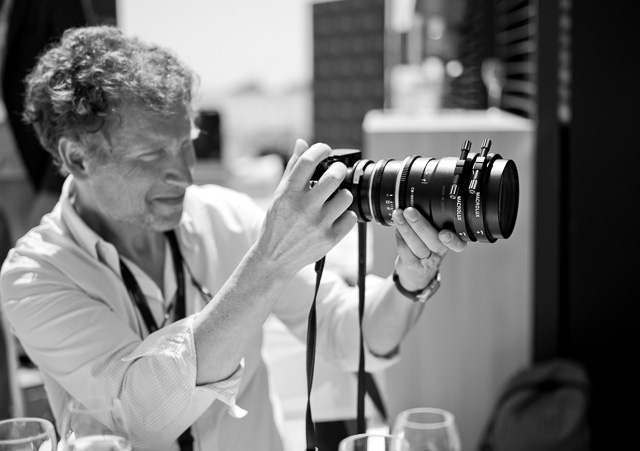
(142, 286)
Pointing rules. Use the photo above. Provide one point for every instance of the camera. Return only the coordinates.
(474, 195)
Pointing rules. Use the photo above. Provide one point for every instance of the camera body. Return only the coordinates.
(474, 195)
(347, 156)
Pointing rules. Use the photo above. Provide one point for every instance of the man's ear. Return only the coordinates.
(74, 157)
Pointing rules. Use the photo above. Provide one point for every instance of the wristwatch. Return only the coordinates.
(420, 295)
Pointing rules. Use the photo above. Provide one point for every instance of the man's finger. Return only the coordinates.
(305, 166)
(298, 149)
(418, 233)
(451, 240)
(330, 181)
(405, 254)
(338, 204)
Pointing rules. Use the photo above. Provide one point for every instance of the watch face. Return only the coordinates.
(430, 289)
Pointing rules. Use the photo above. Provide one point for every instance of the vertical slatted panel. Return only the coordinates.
(515, 45)
(564, 60)
(348, 68)
(468, 91)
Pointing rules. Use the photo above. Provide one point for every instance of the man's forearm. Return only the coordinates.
(387, 320)
(235, 314)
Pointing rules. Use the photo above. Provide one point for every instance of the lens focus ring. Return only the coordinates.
(374, 198)
(404, 177)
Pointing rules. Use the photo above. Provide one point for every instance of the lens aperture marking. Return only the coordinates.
(447, 212)
(462, 231)
(389, 189)
(401, 193)
(417, 191)
(478, 214)
(477, 220)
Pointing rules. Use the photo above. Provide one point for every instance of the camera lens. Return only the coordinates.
(475, 195)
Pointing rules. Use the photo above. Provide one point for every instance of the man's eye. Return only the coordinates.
(149, 156)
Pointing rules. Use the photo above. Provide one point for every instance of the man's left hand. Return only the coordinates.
(421, 248)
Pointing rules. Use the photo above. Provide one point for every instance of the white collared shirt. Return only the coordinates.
(63, 295)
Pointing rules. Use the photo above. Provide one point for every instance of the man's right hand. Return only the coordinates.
(303, 224)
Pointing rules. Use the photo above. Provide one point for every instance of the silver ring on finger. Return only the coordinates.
(428, 256)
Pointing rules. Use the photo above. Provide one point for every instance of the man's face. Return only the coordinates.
(143, 179)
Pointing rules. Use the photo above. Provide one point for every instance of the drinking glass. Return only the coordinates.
(372, 442)
(95, 423)
(27, 434)
(427, 429)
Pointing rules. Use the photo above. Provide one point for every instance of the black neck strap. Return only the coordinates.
(185, 440)
(181, 308)
(140, 299)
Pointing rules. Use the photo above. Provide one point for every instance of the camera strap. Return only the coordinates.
(361, 421)
(311, 357)
(366, 382)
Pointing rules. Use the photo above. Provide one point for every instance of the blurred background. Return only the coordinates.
(550, 82)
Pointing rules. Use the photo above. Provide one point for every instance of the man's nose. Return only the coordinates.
(181, 171)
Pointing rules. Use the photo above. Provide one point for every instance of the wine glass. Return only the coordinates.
(372, 442)
(95, 423)
(427, 429)
(27, 434)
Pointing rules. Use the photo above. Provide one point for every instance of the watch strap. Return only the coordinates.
(418, 295)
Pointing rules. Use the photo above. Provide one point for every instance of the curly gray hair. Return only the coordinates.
(79, 85)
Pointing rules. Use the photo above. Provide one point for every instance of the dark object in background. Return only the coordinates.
(208, 145)
(476, 43)
(32, 26)
(542, 408)
(348, 68)
(5, 386)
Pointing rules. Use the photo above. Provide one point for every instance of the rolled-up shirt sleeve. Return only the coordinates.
(81, 343)
(165, 364)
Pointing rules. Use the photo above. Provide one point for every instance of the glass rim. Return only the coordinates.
(388, 437)
(44, 435)
(447, 418)
(99, 409)
(370, 434)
